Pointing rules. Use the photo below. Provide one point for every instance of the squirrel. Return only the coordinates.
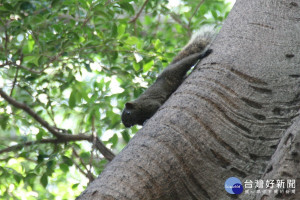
(144, 107)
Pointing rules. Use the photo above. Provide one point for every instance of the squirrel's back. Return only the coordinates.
(144, 107)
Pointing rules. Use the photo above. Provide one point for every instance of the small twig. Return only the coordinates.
(36, 39)
(88, 174)
(16, 76)
(6, 39)
(20, 146)
(139, 13)
(157, 25)
(55, 58)
(104, 150)
(195, 11)
(6, 44)
(67, 18)
(51, 115)
(86, 21)
(107, 2)
(80, 159)
(178, 20)
(21, 66)
(81, 170)
(94, 142)
(14, 82)
(39, 11)
(111, 1)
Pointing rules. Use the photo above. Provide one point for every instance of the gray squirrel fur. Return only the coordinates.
(146, 105)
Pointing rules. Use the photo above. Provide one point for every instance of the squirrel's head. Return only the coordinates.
(136, 113)
(130, 114)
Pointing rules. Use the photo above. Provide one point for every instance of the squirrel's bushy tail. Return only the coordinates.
(198, 43)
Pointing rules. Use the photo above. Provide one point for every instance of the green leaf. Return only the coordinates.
(215, 14)
(27, 6)
(81, 39)
(3, 9)
(8, 6)
(74, 186)
(132, 40)
(44, 180)
(121, 30)
(148, 20)
(128, 7)
(136, 66)
(3, 121)
(55, 3)
(64, 167)
(157, 44)
(39, 136)
(114, 140)
(88, 68)
(30, 178)
(114, 30)
(126, 136)
(32, 59)
(67, 160)
(50, 164)
(148, 66)
(72, 99)
(98, 10)
(114, 55)
(28, 48)
(85, 4)
(85, 156)
(30, 43)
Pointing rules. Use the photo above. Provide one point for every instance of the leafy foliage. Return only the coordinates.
(75, 64)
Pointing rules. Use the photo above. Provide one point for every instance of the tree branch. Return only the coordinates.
(56, 131)
(16, 76)
(20, 146)
(88, 173)
(86, 21)
(94, 142)
(195, 11)
(104, 150)
(15, 81)
(29, 111)
(139, 13)
(23, 67)
(52, 59)
(6, 43)
(179, 21)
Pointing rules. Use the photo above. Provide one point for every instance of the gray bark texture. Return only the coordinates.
(235, 115)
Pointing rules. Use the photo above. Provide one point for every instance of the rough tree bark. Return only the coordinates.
(235, 115)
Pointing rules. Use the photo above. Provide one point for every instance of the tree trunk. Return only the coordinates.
(225, 120)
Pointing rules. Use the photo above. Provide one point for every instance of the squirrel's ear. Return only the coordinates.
(129, 105)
